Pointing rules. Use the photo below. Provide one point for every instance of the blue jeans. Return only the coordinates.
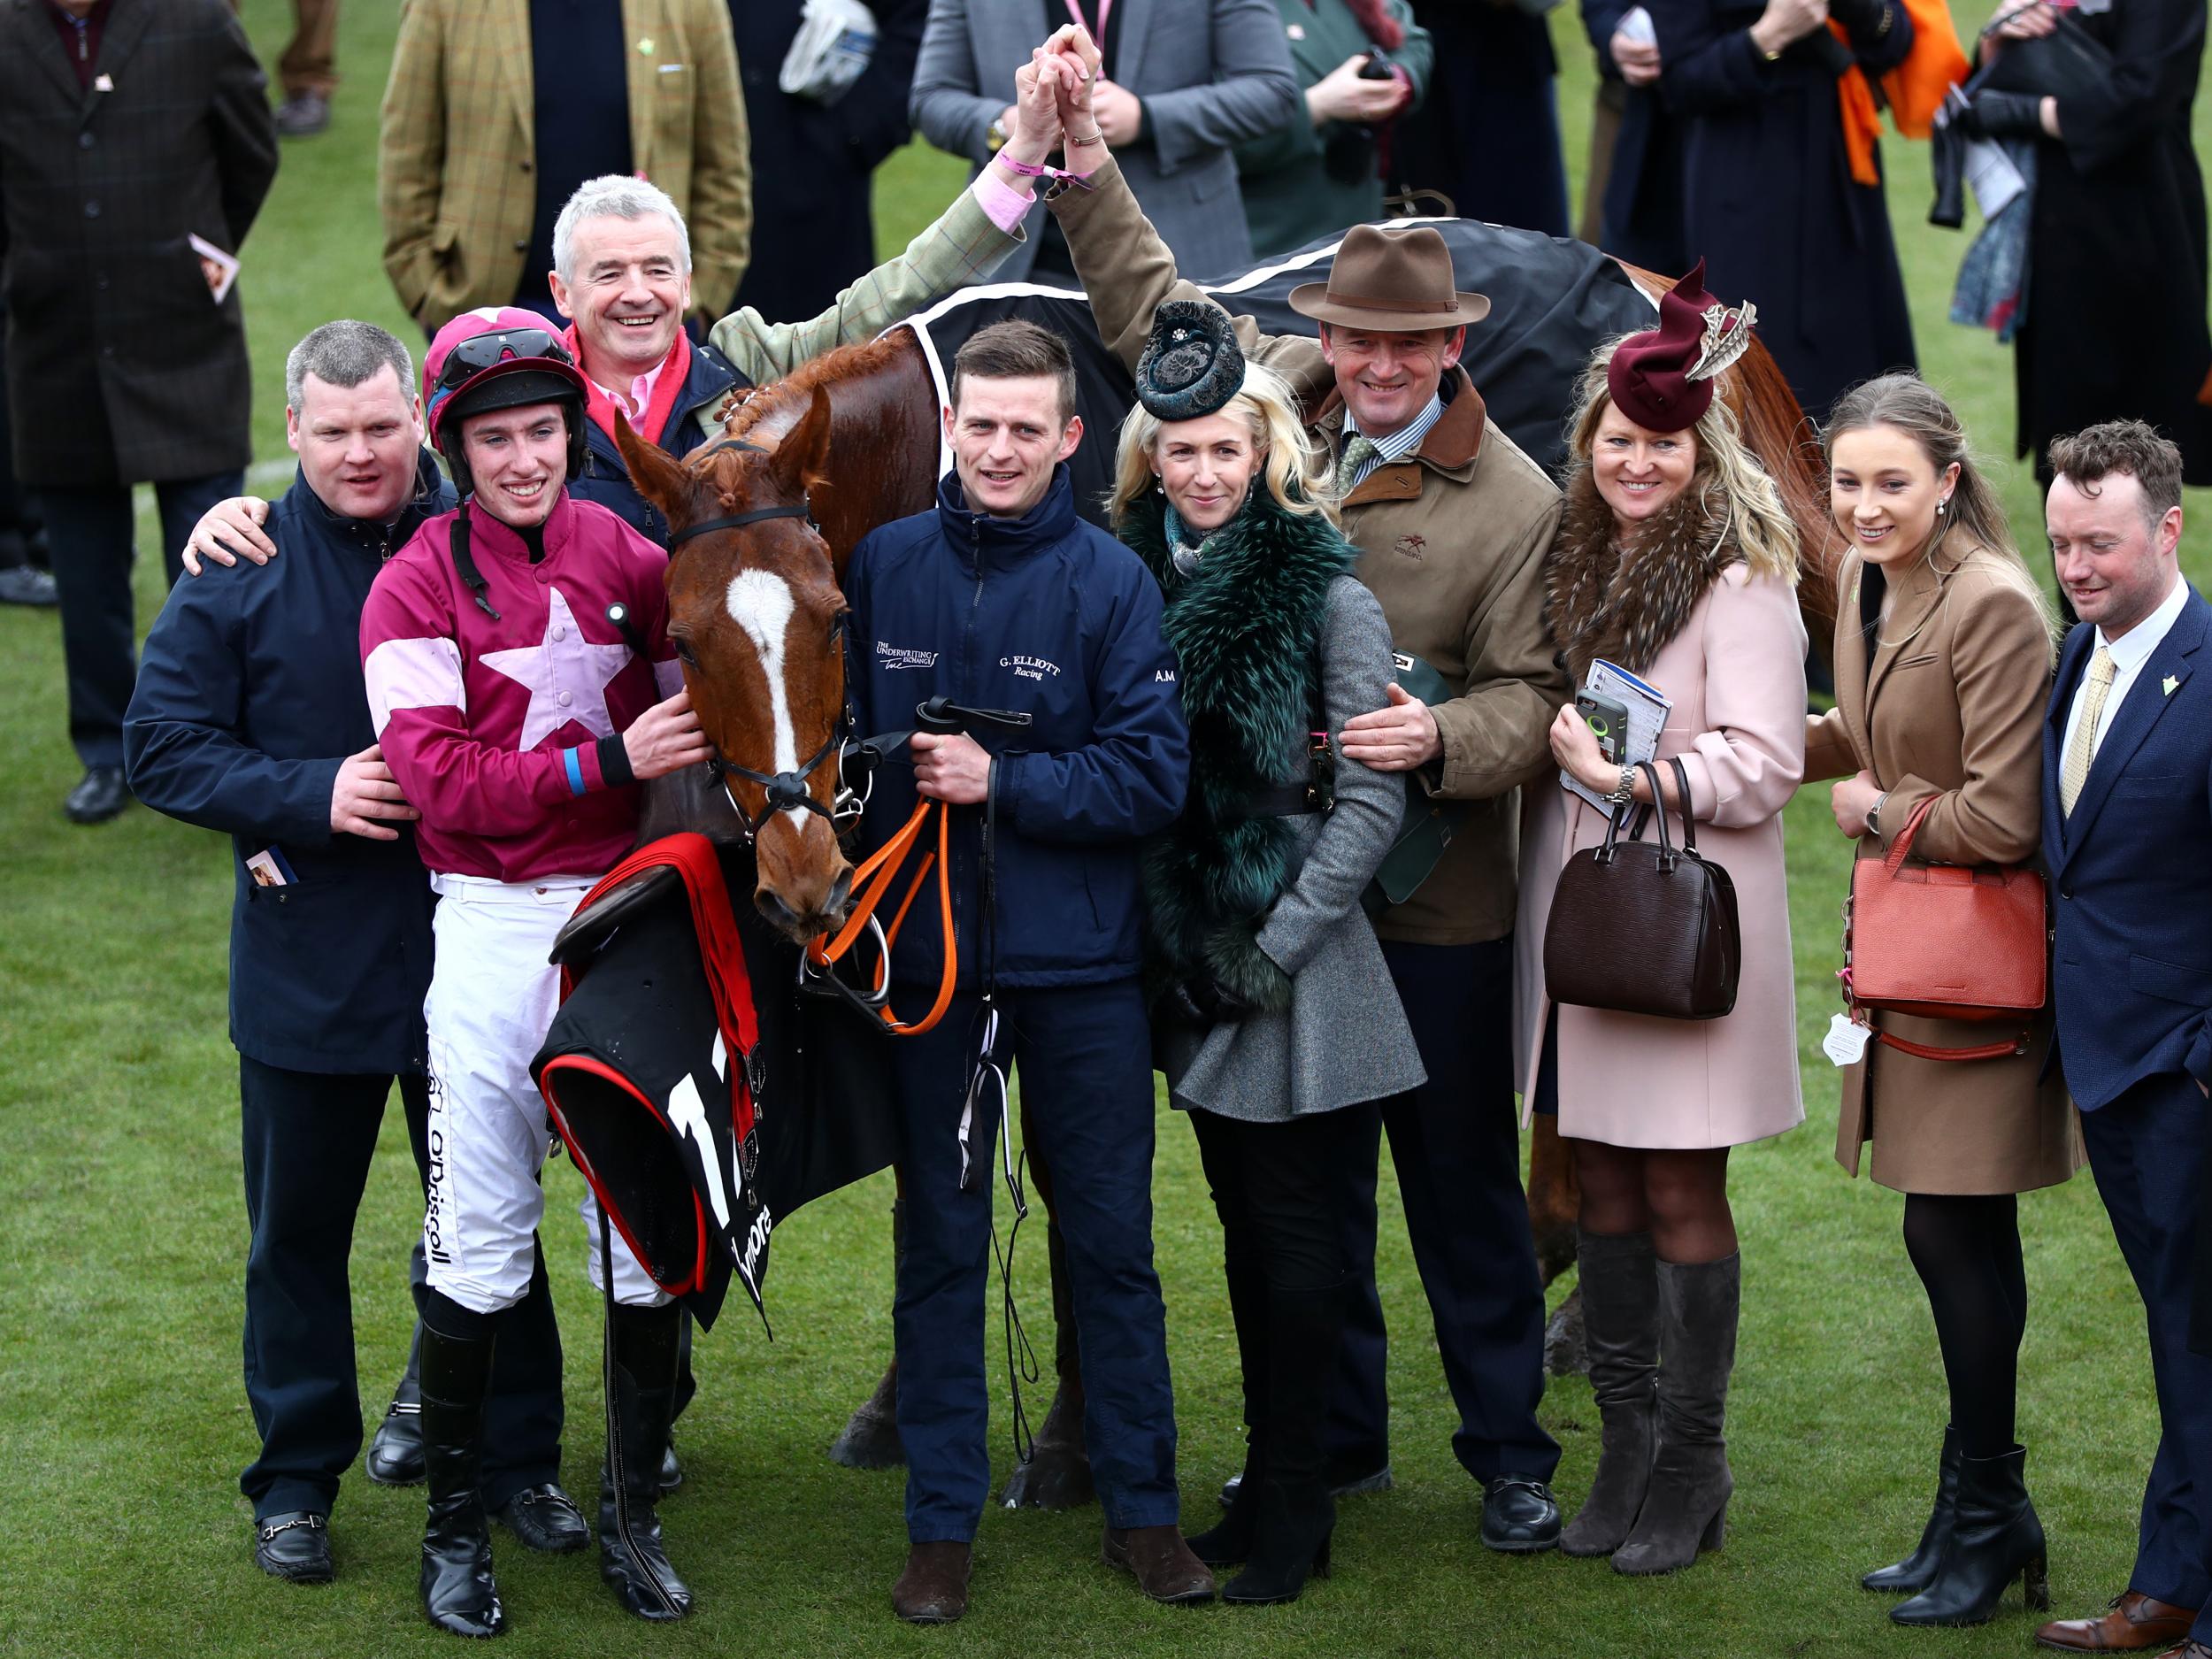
(1083, 1054)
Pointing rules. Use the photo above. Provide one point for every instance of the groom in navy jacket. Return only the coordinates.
(2127, 821)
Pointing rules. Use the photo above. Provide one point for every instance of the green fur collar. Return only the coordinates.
(1246, 630)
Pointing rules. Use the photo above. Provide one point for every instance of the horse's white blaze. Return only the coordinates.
(760, 602)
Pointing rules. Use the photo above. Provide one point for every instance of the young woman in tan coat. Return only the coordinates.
(1943, 666)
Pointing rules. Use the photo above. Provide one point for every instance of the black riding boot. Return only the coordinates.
(1296, 1514)
(1230, 1541)
(1912, 1575)
(632, 1558)
(1620, 1331)
(1995, 1534)
(457, 1591)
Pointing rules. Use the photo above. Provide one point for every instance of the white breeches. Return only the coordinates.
(492, 996)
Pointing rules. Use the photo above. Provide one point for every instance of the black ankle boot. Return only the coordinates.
(1995, 1534)
(1290, 1535)
(632, 1558)
(458, 1592)
(1229, 1542)
(1911, 1575)
(1290, 1542)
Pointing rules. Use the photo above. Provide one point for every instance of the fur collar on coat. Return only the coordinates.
(1601, 601)
(1246, 629)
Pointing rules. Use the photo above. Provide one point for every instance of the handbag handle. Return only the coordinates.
(1682, 794)
(1902, 845)
(1614, 820)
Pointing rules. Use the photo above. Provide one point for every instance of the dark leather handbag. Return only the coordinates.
(1641, 928)
(1946, 941)
(2069, 63)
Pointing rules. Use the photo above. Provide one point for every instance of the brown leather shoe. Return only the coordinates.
(934, 1589)
(1161, 1562)
(2134, 1623)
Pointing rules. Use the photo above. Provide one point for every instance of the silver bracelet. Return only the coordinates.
(1622, 793)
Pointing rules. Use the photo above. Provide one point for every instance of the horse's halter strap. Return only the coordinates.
(738, 521)
(789, 791)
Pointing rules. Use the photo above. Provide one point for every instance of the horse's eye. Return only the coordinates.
(683, 653)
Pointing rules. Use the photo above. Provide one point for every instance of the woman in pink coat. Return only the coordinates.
(1676, 561)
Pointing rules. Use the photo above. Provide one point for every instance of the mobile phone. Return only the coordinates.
(1608, 718)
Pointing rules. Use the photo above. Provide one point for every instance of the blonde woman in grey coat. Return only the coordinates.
(1273, 1006)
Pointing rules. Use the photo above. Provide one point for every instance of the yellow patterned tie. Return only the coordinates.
(1358, 451)
(2074, 772)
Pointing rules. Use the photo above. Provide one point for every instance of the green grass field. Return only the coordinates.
(123, 1422)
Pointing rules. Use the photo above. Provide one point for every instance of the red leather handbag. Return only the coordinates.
(1946, 941)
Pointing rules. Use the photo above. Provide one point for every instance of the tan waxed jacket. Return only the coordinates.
(1452, 541)
(456, 146)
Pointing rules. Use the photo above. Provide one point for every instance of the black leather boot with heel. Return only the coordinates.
(642, 1367)
(1995, 1534)
(458, 1594)
(1911, 1575)
(1295, 1515)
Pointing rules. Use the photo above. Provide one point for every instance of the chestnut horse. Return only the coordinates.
(852, 438)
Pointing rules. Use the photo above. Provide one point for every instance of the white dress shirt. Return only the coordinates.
(2129, 653)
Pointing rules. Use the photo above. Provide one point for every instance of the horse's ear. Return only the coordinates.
(659, 476)
(801, 464)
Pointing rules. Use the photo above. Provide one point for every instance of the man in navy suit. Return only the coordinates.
(2127, 821)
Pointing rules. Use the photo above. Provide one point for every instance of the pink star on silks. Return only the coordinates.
(566, 676)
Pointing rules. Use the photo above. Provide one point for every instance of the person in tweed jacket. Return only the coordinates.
(469, 179)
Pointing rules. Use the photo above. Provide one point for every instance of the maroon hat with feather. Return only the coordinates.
(1663, 378)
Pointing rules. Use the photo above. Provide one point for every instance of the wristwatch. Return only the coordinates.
(1622, 793)
(996, 137)
(1874, 814)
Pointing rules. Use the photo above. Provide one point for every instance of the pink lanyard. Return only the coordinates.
(1105, 10)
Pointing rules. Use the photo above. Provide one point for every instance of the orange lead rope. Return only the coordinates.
(870, 882)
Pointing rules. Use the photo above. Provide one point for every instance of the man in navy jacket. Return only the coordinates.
(2127, 815)
(250, 717)
(1002, 598)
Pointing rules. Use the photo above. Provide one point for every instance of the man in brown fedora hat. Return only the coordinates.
(1452, 522)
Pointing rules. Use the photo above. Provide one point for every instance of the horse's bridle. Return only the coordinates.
(787, 791)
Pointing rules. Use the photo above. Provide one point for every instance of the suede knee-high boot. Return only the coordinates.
(1620, 1324)
(1686, 1510)
(1290, 1536)
(1230, 1541)
(1911, 1575)
(458, 1592)
(632, 1557)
